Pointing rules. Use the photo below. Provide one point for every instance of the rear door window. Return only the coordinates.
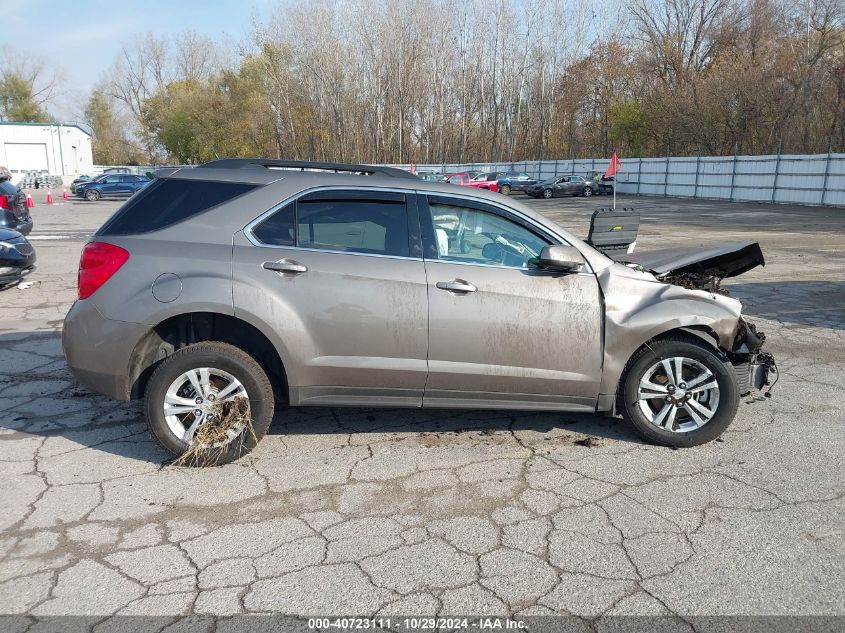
(167, 201)
(371, 223)
(279, 229)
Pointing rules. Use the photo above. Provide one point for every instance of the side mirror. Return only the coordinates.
(561, 258)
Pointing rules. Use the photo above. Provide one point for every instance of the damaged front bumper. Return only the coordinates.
(753, 366)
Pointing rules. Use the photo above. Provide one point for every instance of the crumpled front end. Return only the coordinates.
(639, 307)
(752, 365)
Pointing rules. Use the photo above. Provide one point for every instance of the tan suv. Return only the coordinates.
(222, 292)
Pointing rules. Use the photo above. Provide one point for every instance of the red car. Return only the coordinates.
(484, 180)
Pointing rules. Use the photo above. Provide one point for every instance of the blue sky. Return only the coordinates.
(81, 39)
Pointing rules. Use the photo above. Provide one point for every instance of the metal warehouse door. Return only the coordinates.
(26, 156)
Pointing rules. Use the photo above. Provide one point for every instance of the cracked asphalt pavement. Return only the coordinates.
(428, 512)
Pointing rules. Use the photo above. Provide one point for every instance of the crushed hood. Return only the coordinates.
(726, 260)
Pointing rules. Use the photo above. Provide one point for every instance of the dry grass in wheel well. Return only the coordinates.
(213, 438)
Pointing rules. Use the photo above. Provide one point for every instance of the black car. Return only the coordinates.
(566, 185)
(17, 257)
(14, 213)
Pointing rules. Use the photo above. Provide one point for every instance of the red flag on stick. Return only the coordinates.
(615, 166)
(413, 169)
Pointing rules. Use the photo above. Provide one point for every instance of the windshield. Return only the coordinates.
(549, 181)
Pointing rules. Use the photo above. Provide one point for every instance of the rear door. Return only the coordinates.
(127, 185)
(501, 330)
(576, 185)
(338, 275)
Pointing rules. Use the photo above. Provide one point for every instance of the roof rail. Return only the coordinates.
(305, 165)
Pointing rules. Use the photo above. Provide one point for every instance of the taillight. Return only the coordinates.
(4, 202)
(98, 263)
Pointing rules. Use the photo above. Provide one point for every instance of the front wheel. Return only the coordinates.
(677, 392)
(209, 404)
(547, 193)
(505, 190)
(588, 191)
(92, 195)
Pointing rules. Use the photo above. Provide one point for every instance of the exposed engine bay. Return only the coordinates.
(701, 268)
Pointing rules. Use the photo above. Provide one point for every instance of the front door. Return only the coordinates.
(111, 185)
(339, 277)
(501, 331)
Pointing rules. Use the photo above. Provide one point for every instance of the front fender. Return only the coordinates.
(639, 308)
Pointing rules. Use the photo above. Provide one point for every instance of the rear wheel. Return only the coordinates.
(677, 392)
(92, 195)
(547, 193)
(505, 189)
(209, 404)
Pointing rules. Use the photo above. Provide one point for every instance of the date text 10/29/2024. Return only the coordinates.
(415, 624)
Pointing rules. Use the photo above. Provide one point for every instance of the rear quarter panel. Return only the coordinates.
(204, 272)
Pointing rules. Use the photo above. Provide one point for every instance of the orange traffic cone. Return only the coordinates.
(64, 193)
(49, 197)
(29, 201)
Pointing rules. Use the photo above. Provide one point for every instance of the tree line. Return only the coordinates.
(429, 81)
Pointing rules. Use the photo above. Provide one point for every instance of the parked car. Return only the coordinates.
(469, 179)
(111, 185)
(604, 185)
(77, 181)
(487, 180)
(14, 213)
(515, 181)
(567, 185)
(17, 257)
(430, 176)
(220, 294)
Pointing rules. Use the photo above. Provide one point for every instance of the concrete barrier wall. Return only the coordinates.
(817, 179)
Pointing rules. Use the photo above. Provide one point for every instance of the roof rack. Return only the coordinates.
(305, 165)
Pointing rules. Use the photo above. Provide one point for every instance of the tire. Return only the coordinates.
(505, 190)
(92, 195)
(686, 430)
(547, 194)
(220, 357)
(588, 191)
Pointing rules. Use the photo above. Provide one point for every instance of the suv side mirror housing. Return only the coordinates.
(561, 258)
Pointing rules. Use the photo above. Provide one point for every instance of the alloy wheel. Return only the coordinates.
(190, 401)
(678, 394)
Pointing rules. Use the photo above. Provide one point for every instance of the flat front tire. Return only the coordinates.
(505, 190)
(547, 193)
(678, 392)
(186, 391)
(92, 195)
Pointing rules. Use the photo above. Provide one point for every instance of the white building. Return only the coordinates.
(58, 149)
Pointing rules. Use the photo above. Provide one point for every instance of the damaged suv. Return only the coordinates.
(223, 292)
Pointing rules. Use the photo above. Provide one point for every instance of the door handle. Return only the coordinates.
(285, 266)
(456, 285)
